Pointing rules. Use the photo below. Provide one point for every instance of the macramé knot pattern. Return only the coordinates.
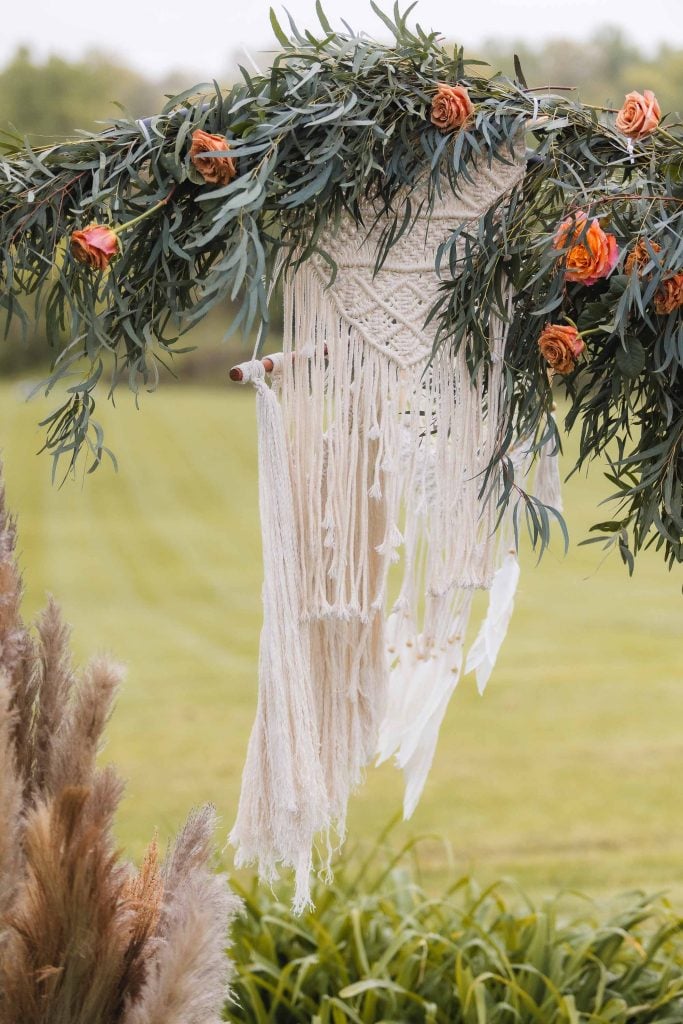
(389, 309)
(371, 452)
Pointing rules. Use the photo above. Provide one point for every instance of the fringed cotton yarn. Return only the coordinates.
(377, 453)
(283, 803)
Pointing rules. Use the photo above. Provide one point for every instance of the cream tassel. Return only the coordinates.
(483, 653)
(335, 396)
(283, 803)
(547, 483)
(422, 684)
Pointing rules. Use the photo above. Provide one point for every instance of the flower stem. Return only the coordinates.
(146, 213)
(668, 135)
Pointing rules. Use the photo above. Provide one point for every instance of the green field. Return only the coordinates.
(566, 774)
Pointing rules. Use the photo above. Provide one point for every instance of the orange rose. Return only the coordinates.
(592, 258)
(639, 256)
(94, 245)
(216, 170)
(669, 295)
(639, 115)
(451, 107)
(561, 346)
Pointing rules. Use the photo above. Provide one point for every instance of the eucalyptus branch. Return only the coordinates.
(340, 119)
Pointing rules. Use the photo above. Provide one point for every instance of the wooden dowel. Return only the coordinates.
(236, 374)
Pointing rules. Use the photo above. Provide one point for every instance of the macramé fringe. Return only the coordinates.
(370, 452)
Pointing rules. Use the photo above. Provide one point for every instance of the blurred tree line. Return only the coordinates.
(602, 69)
(52, 99)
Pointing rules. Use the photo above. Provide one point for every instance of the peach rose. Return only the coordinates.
(639, 115)
(639, 257)
(94, 245)
(561, 346)
(590, 259)
(215, 170)
(451, 107)
(669, 295)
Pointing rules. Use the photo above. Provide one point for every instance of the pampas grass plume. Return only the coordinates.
(84, 939)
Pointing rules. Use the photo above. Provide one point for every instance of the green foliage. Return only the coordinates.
(380, 948)
(328, 105)
(337, 120)
(48, 101)
(628, 397)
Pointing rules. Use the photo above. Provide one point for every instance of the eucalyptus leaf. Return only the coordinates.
(631, 358)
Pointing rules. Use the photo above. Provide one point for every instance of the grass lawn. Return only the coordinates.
(567, 773)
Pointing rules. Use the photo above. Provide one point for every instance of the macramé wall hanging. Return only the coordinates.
(369, 449)
(450, 248)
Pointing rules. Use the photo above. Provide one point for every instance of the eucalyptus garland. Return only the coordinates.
(127, 237)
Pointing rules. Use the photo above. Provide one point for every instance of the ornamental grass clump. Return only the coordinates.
(380, 948)
(84, 938)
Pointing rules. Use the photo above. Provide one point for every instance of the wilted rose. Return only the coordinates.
(669, 295)
(215, 170)
(639, 115)
(561, 346)
(451, 107)
(94, 245)
(592, 258)
(639, 256)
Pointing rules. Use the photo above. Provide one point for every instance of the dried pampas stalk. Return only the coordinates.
(76, 745)
(83, 938)
(187, 982)
(70, 927)
(11, 794)
(12, 630)
(16, 649)
(143, 893)
(55, 683)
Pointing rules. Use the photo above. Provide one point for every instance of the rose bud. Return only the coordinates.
(639, 115)
(561, 346)
(592, 258)
(669, 295)
(94, 245)
(451, 107)
(215, 170)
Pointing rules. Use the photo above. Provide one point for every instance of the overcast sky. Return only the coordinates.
(205, 36)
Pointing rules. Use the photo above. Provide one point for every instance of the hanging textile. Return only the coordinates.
(386, 447)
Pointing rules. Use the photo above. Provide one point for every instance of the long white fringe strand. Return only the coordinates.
(283, 802)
